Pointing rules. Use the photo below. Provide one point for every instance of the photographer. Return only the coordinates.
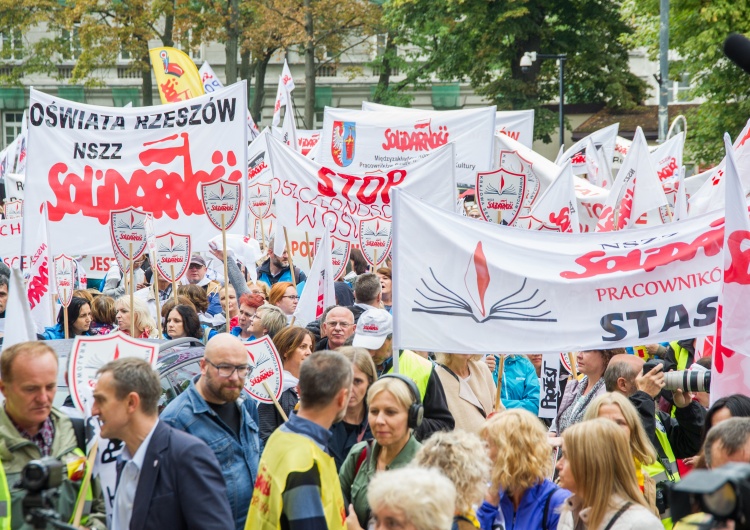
(31, 429)
(672, 437)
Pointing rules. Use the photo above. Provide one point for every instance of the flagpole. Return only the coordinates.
(275, 401)
(262, 235)
(65, 314)
(174, 284)
(572, 361)
(90, 460)
(309, 253)
(291, 262)
(132, 291)
(155, 277)
(498, 394)
(226, 270)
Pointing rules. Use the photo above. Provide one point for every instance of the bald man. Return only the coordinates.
(213, 408)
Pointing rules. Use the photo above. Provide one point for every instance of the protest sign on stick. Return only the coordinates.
(172, 257)
(129, 236)
(64, 285)
(14, 209)
(266, 378)
(375, 239)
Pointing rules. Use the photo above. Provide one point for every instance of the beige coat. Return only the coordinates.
(469, 403)
(636, 517)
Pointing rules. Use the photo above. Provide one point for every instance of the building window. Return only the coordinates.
(183, 44)
(327, 70)
(11, 45)
(124, 55)
(72, 44)
(679, 92)
(12, 122)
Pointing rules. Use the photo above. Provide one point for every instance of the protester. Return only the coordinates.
(469, 389)
(384, 274)
(367, 294)
(199, 299)
(734, 406)
(114, 281)
(521, 495)
(395, 410)
(147, 294)
(519, 387)
(268, 320)
(294, 345)
(170, 479)
(357, 262)
(374, 332)
(618, 408)
(536, 360)
(228, 299)
(145, 327)
(196, 275)
(462, 457)
(3, 300)
(32, 428)
(355, 426)
(214, 409)
(259, 288)
(85, 294)
(276, 269)
(728, 442)
(182, 321)
(79, 321)
(249, 304)
(337, 327)
(104, 315)
(297, 479)
(410, 499)
(284, 296)
(597, 466)
(579, 393)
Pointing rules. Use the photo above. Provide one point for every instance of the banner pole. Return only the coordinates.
(289, 254)
(499, 392)
(275, 401)
(174, 284)
(90, 461)
(573, 367)
(262, 235)
(309, 253)
(132, 291)
(65, 314)
(375, 261)
(156, 299)
(226, 270)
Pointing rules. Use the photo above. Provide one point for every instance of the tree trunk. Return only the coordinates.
(148, 96)
(309, 67)
(232, 45)
(245, 71)
(167, 39)
(260, 85)
(384, 80)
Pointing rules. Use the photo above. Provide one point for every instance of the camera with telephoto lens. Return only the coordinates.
(723, 493)
(686, 380)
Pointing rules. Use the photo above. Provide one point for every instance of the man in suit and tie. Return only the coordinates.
(170, 479)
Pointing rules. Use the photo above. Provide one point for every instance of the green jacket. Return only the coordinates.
(354, 483)
(16, 452)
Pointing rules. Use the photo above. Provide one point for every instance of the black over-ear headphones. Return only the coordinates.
(416, 410)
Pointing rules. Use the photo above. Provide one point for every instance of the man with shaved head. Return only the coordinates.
(672, 438)
(213, 410)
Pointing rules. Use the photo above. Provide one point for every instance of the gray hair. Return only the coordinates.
(733, 434)
(4, 280)
(273, 319)
(131, 374)
(425, 497)
(321, 378)
(617, 370)
(367, 288)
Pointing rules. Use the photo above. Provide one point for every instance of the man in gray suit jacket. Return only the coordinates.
(167, 478)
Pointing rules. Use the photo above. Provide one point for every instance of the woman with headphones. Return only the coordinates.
(395, 410)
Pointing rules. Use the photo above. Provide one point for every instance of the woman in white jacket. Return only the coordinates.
(597, 466)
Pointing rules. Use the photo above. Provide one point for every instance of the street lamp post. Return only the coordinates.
(526, 61)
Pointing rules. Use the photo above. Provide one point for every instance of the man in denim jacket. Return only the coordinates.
(212, 410)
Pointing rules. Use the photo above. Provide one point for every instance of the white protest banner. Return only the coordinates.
(543, 291)
(266, 377)
(310, 195)
(212, 83)
(364, 141)
(339, 253)
(518, 124)
(8, 158)
(667, 158)
(37, 274)
(10, 242)
(307, 139)
(18, 324)
(14, 186)
(319, 291)
(549, 390)
(85, 161)
(285, 88)
(557, 209)
(172, 255)
(64, 279)
(603, 138)
(258, 169)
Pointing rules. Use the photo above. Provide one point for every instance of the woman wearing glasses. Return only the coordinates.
(284, 296)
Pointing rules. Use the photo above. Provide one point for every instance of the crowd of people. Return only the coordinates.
(449, 442)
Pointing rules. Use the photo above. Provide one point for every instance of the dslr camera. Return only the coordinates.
(685, 380)
(40, 479)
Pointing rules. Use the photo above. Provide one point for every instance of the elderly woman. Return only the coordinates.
(410, 499)
(145, 327)
(521, 495)
(267, 320)
(579, 393)
(469, 389)
(597, 466)
(462, 457)
(395, 409)
(79, 320)
(354, 428)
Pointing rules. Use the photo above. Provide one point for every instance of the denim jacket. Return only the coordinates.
(238, 458)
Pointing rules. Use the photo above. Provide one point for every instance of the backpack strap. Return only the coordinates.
(79, 428)
(361, 458)
(621, 511)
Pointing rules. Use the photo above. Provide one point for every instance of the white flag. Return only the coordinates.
(23, 144)
(603, 138)
(557, 209)
(318, 292)
(286, 85)
(37, 274)
(211, 83)
(681, 202)
(19, 326)
(289, 128)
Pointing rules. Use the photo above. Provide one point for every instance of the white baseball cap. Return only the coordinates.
(373, 327)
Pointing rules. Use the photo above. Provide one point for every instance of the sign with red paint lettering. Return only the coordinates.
(172, 255)
(91, 353)
(222, 200)
(86, 161)
(260, 199)
(129, 232)
(375, 239)
(267, 372)
(64, 278)
(14, 209)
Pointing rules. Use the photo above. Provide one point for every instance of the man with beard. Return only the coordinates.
(276, 269)
(298, 485)
(211, 409)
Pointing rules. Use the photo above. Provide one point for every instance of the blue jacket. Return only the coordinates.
(520, 389)
(264, 274)
(530, 511)
(238, 458)
(57, 332)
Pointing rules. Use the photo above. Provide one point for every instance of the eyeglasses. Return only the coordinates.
(339, 324)
(292, 297)
(195, 266)
(255, 316)
(226, 370)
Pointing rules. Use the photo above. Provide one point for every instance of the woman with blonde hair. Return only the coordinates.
(597, 466)
(462, 457)
(469, 389)
(616, 407)
(145, 327)
(521, 495)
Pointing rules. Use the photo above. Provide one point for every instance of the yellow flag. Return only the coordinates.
(176, 75)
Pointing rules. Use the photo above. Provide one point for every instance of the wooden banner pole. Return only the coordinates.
(155, 278)
(309, 252)
(289, 255)
(275, 401)
(499, 383)
(174, 284)
(262, 235)
(132, 291)
(65, 314)
(226, 271)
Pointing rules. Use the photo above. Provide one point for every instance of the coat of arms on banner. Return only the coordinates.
(128, 229)
(172, 255)
(375, 239)
(14, 209)
(91, 353)
(267, 369)
(500, 195)
(515, 163)
(342, 143)
(222, 199)
(340, 250)
(259, 199)
(64, 278)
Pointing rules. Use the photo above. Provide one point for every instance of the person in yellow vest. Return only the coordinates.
(30, 429)
(297, 484)
(672, 437)
(374, 332)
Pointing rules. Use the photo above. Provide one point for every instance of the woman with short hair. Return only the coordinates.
(284, 296)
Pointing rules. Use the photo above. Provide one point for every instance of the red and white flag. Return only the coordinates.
(318, 292)
(557, 210)
(636, 190)
(603, 139)
(19, 325)
(37, 275)
(597, 168)
(286, 86)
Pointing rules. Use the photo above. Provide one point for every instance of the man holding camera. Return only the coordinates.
(31, 429)
(672, 437)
